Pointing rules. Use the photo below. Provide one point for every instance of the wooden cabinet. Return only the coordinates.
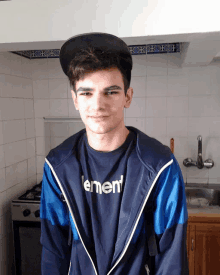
(203, 244)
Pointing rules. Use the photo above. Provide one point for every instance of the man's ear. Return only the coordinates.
(74, 99)
(128, 97)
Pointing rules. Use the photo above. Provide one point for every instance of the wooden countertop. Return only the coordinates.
(210, 214)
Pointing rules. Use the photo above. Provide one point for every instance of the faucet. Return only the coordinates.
(199, 163)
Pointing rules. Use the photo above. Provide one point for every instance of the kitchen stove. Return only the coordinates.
(27, 206)
(26, 223)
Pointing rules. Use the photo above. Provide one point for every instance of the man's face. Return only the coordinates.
(101, 100)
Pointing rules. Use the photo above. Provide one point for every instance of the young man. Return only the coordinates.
(113, 199)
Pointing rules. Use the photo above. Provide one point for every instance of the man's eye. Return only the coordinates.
(86, 93)
(111, 93)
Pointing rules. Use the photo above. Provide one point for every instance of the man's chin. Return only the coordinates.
(99, 130)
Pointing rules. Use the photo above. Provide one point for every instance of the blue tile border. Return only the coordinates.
(134, 50)
(137, 49)
(163, 48)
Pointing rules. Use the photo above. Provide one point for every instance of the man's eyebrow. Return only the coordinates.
(114, 87)
(87, 89)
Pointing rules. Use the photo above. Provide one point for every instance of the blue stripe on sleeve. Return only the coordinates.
(52, 208)
(171, 207)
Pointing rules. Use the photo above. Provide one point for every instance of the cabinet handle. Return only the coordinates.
(192, 245)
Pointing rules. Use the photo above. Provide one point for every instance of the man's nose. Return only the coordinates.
(98, 101)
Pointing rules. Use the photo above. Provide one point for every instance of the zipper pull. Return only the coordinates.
(62, 197)
(147, 269)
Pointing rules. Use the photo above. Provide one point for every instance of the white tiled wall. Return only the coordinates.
(17, 144)
(52, 98)
(179, 103)
(169, 102)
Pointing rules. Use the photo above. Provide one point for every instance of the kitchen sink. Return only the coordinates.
(202, 196)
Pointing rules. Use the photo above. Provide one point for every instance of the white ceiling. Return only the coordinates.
(197, 49)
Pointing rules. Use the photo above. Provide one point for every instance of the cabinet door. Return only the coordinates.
(191, 248)
(207, 249)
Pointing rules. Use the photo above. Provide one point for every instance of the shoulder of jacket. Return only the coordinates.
(150, 151)
(58, 154)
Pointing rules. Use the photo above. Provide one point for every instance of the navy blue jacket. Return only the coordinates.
(153, 205)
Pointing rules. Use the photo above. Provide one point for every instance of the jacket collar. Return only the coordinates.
(152, 153)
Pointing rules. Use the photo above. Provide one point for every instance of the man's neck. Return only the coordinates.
(107, 142)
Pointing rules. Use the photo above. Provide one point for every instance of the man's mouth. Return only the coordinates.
(98, 117)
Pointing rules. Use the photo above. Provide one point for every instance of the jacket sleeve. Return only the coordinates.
(54, 228)
(170, 222)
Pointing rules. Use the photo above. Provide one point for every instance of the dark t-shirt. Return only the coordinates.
(104, 177)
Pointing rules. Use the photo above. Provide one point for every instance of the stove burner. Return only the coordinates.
(33, 194)
(37, 187)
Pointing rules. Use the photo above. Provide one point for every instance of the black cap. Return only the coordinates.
(103, 41)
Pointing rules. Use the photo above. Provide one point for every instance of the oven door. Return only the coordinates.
(27, 247)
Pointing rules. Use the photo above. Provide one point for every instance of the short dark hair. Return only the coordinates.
(94, 59)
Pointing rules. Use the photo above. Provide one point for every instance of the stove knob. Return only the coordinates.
(26, 212)
(37, 213)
